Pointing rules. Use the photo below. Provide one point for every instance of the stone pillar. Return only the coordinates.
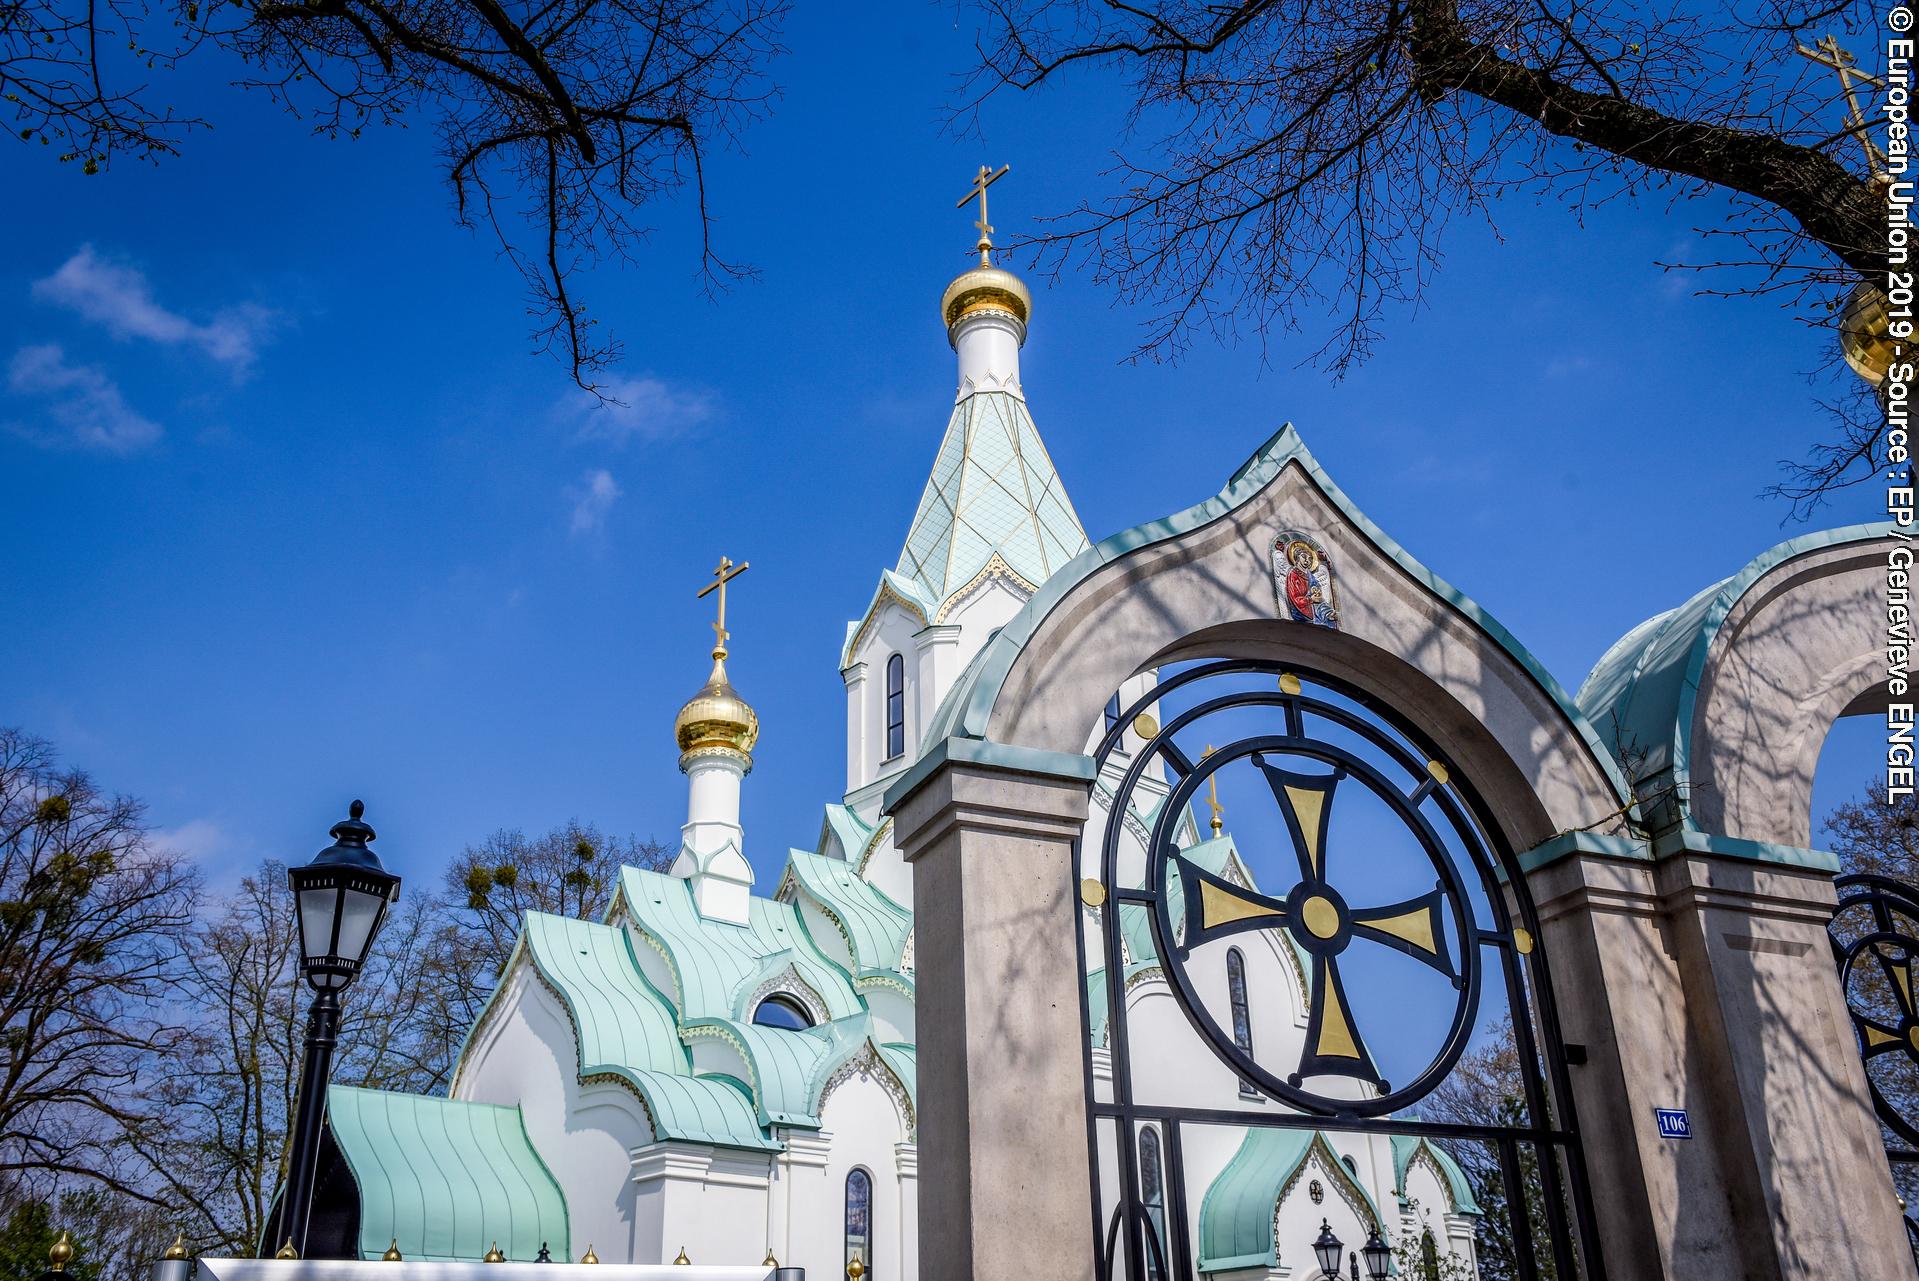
(1002, 1097)
(1705, 982)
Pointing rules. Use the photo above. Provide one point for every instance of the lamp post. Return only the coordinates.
(1378, 1257)
(1327, 1249)
(340, 898)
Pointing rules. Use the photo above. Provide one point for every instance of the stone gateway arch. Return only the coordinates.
(1620, 883)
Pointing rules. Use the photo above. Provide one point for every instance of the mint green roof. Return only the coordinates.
(445, 1179)
(1644, 690)
(993, 489)
(843, 825)
(1407, 1146)
(1236, 1217)
(904, 1060)
(967, 709)
(625, 1029)
(718, 965)
(875, 927)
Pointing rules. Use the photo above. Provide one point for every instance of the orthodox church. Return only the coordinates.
(723, 1070)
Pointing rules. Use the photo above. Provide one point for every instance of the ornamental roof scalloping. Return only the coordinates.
(843, 825)
(445, 1179)
(993, 489)
(1642, 691)
(719, 965)
(875, 926)
(1406, 1146)
(625, 1029)
(1236, 1217)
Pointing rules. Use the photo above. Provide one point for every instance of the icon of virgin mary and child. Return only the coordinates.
(1304, 580)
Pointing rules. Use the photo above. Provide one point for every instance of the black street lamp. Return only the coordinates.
(341, 898)
(1327, 1249)
(1378, 1257)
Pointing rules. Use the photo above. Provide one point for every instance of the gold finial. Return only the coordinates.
(981, 181)
(287, 1251)
(855, 1270)
(61, 1254)
(589, 1256)
(683, 1261)
(493, 1255)
(393, 1254)
(178, 1250)
(1827, 53)
(769, 1261)
(723, 573)
(1212, 794)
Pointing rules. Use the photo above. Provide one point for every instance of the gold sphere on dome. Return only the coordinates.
(985, 288)
(717, 721)
(1865, 333)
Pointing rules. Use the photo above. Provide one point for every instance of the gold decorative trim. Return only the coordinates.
(872, 844)
(867, 1062)
(995, 567)
(884, 594)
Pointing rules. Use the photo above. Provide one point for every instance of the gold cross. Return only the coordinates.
(1827, 53)
(725, 572)
(981, 181)
(1212, 793)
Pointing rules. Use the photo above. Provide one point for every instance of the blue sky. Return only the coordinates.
(292, 515)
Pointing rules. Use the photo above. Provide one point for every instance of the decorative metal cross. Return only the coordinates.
(1878, 1037)
(1320, 921)
(981, 181)
(723, 573)
(1212, 795)
(1827, 53)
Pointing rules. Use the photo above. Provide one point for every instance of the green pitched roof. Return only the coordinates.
(1236, 1217)
(1407, 1146)
(875, 927)
(993, 489)
(625, 1029)
(445, 1179)
(718, 965)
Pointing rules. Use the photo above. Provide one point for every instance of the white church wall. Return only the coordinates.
(1430, 1207)
(1297, 1223)
(859, 693)
(892, 1011)
(710, 1202)
(892, 632)
(862, 1129)
(824, 932)
(526, 1054)
(887, 871)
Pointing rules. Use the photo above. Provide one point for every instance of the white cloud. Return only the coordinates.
(592, 499)
(83, 404)
(644, 408)
(118, 296)
(199, 839)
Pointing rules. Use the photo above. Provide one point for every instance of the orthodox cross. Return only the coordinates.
(723, 573)
(1827, 53)
(1212, 794)
(981, 181)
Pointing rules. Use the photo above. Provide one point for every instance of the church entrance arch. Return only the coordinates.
(1348, 842)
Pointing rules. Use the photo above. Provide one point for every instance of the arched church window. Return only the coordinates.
(1352, 1166)
(782, 1011)
(1152, 1193)
(1428, 1257)
(895, 706)
(859, 1219)
(1242, 1013)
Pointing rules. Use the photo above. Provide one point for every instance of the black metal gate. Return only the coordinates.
(1344, 844)
(1875, 941)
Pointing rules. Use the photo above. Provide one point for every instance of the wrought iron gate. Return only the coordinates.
(1875, 942)
(1326, 782)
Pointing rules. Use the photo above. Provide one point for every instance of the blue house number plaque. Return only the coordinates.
(1673, 1123)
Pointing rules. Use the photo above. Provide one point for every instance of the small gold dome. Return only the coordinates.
(589, 1256)
(985, 288)
(61, 1254)
(1865, 333)
(717, 721)
(178, 1250)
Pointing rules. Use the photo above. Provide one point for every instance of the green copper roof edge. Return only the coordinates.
(668, 1126)
(1691, 841)
(574, 1013)
(966, 714)
(1406, 1146)
(872, 925)
(1271, 1179)
(1567, 844)
(1072, 766)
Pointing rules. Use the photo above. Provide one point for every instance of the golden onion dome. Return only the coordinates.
(717, 721)
(1865, 333)
(985, 288)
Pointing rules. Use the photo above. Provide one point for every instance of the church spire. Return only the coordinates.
(716, 731)
(986, 308)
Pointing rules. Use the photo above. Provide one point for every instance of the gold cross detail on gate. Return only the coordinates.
(981, 181)
(723, 573)
(1827, 52)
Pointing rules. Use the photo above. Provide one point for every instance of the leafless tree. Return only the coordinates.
(558, 120)
(90, 912)
(1293, 158)
(1877, 833)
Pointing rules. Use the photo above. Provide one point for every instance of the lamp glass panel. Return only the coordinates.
(317, 907)
(359, 913)
(1328, 1248)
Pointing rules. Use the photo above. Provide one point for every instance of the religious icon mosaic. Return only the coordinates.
(1303, 579)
